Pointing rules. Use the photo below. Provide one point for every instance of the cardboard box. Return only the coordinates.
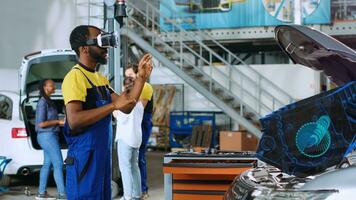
(237, 141)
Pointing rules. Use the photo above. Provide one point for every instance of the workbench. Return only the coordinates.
(197, 176)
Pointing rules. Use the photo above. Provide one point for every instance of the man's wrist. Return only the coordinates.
(141, 78)
(112, 106)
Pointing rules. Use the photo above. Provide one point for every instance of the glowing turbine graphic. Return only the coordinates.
(313, 138)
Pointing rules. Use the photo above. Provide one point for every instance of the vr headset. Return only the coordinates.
(105, 40)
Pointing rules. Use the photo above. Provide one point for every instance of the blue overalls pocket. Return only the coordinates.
(78, 165)
(84, 161)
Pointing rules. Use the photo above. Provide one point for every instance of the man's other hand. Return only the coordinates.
(123, 101)
(145, 67)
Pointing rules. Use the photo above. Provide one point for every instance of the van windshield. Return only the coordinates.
(49, 70)
(55, 70)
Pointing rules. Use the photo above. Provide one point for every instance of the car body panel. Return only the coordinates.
(18, 149)
(316, 173)
(35, 66)
(318, 51)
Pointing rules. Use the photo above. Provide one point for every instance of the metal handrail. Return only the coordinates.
(187, 61)
(203, 34)
(209, 63)
(212, 53)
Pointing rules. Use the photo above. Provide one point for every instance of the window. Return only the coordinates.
(5, 107)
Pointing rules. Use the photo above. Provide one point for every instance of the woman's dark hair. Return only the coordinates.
(43, 93)
(128, 81)
(134, 67)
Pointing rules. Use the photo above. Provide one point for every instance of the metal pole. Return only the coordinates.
(114, 63)
(114, 72)
(117, 67)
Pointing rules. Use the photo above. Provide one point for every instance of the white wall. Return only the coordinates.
(298, 81)
(31, 25)
(193, 100)
(9, 79)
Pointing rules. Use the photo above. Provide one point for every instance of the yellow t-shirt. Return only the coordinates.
(76, 87)
(147, 92)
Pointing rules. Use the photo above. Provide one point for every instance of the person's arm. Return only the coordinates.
(50, 123)
(144, 70)
(73, 88)
(78, 118)
(41, 116)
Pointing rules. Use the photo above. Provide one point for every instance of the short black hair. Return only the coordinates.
(79, 36)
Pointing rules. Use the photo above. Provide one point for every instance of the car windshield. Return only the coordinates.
(55, 70)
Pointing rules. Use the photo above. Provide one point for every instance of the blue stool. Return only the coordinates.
(3, 162)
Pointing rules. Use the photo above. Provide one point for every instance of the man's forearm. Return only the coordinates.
(83, 118)
(135, 92)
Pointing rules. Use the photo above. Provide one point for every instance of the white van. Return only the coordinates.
(18, 138)
(12, 130)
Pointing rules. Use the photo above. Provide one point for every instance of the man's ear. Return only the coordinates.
(84, 49)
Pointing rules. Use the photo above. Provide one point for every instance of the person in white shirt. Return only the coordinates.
(129, 138)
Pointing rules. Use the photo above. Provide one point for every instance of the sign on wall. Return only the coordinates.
(215, 14)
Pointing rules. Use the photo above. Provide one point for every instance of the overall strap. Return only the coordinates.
(91, 83)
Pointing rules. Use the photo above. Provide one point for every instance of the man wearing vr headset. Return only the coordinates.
(90, 102)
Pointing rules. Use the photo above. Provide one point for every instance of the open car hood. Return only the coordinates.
(306, 137)
(319, 51)
(46, 64)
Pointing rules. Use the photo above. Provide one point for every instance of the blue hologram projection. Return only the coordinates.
(313, 138)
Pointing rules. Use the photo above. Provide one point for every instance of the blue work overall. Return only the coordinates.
(146, 127)
(88, 163)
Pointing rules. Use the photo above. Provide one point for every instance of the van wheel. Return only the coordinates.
(114, 189)
(5, 181)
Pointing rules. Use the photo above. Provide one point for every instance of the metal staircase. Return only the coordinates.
(240, 91)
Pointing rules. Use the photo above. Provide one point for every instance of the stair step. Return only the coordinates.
(218, 91)
(162, 48)
(187, 67)
(237, 106)
(228, 98)
(136, 14)
(147, 35)
(249, 115)
(205, 82)
(174, 56)
(195, 73)
(159, 44)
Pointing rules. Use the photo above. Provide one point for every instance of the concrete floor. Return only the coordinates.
(155, 182)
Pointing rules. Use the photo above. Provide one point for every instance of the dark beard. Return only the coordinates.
(99, 58)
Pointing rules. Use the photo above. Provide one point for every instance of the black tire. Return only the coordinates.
(118, 181)
(5, 181)
(114, 189)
